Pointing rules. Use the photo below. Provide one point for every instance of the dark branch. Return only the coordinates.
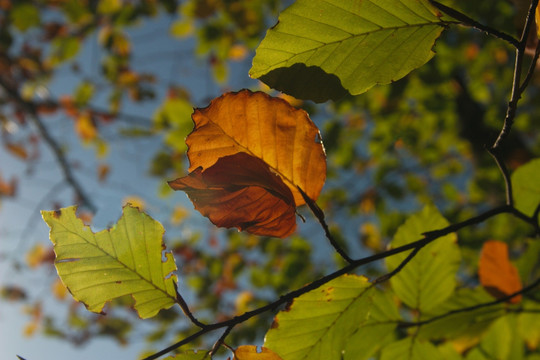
(517, 89)
(55, 147)
(524, 290)
(465, 20)
(495, 153)
(319, 214)
(185, 308)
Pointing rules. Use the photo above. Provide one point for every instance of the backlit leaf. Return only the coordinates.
(318, 325)
(497, 274)
(267, 128)
(321, 49)
(123, 260)
(410, 349)
(190, 355)
(240, 191)
(525, 187)
(250, 352)
(430, 277)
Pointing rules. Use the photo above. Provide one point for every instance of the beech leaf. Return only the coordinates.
(267, 128)
(123, 260)
(345, 46)
(240, 191)
(497, 274)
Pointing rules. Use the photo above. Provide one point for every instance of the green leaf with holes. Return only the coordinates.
(123, 260)
(430, 277)
(324, 49)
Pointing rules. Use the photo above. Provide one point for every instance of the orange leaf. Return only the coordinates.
(267, 128)
(8, 189)
(497, 274)
(18, 150)
(240, 191)
(250, 352)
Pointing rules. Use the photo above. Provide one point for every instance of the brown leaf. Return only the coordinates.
(8, 189)
(18, 150)
(265, 127)
(497, 274)
(241, 191)
(250, 352)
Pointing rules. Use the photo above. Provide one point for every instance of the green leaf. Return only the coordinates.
(175, 116)
(410, 349)
(348, 46)
(430, 277)
(528, 325)
(24, 16)
(319, 324)
(465, 325)
(190, 355)
(123, 260)
(84, 93)
(63, 49)
(526, 188)
(501, 340)
(376, 331)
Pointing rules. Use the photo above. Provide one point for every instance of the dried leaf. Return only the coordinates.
(497, 274)
(18, 150)
(264, 127)
(8, 189)
(85, 127)
(250, 352)
(241, 191)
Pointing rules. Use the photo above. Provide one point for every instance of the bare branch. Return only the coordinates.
(319, 214)
(465, 20)
(55, 147)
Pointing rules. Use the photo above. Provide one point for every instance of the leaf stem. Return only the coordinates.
(524, 290)
(465, 20)
(495, 153)
(319, 214)
(185, 308)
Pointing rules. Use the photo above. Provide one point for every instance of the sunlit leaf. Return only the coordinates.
(174, 116)
(123, 260)
(525, 187)
(527, 325)
(267, 128)
(497, 274)
(465, 326)
(501, 341)
(318, 325)
(410, 349)
(251, 352)
(241, 191)
(321, 49)
(24, 15)
(85, 127)
(373, 334)
(430, 277)
(190, 355)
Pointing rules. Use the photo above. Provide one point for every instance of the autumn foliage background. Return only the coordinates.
(96, 109)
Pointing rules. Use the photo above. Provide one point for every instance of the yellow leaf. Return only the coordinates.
(58, 289)
(179, 214)
(250, 352)
(238, 52)
(135, 201)
(85, 128)
(537, 18)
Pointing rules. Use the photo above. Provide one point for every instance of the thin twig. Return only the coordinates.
(428, 237)
(465, 20)
(517, 90)
(495, 153)
(400, 267)
(185, 308)
(319, 214)
(221, 340)
(474, 307)
(532, 67)
(55, 147)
